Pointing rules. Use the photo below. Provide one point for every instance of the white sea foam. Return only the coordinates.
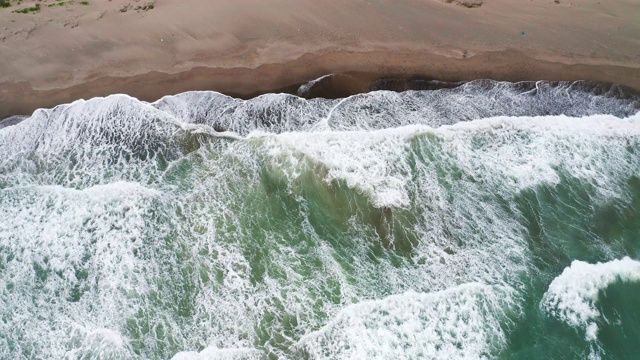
(304, 88)
(572, 296)
(373, 162)
(277, 113)
(520, 152)
(97, 343)
(213, 353)
(136, 226)
(513, 152)
(58, 239)
(462, 322)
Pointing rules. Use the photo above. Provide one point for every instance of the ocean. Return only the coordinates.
(489, 220)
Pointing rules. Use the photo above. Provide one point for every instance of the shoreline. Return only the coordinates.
(358, 70)
(70, 50)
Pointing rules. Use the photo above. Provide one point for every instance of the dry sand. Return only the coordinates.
(247, 47)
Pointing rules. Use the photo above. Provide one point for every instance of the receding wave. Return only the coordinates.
(457, 222)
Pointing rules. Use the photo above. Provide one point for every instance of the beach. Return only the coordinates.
(406, 179)
(71, 51)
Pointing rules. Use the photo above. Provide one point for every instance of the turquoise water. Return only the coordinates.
(493, 220)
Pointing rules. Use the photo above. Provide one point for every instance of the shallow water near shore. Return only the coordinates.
(488, 220)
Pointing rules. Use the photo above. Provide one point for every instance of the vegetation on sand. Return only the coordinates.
(37, 7)
(33, 9)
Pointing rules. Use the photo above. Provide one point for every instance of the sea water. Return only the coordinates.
(491, 220)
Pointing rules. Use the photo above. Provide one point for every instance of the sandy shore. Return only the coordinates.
(244, 48)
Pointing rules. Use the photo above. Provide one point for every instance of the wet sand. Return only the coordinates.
(251, 47)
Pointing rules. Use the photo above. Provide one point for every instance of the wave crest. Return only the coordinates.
(572, 296)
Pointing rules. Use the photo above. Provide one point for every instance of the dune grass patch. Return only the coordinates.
(33, 9)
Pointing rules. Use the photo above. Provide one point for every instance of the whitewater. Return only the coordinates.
(490, 220)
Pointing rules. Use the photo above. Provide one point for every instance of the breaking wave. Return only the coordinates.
(422, 224)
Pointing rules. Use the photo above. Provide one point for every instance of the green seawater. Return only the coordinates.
(135, 231)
